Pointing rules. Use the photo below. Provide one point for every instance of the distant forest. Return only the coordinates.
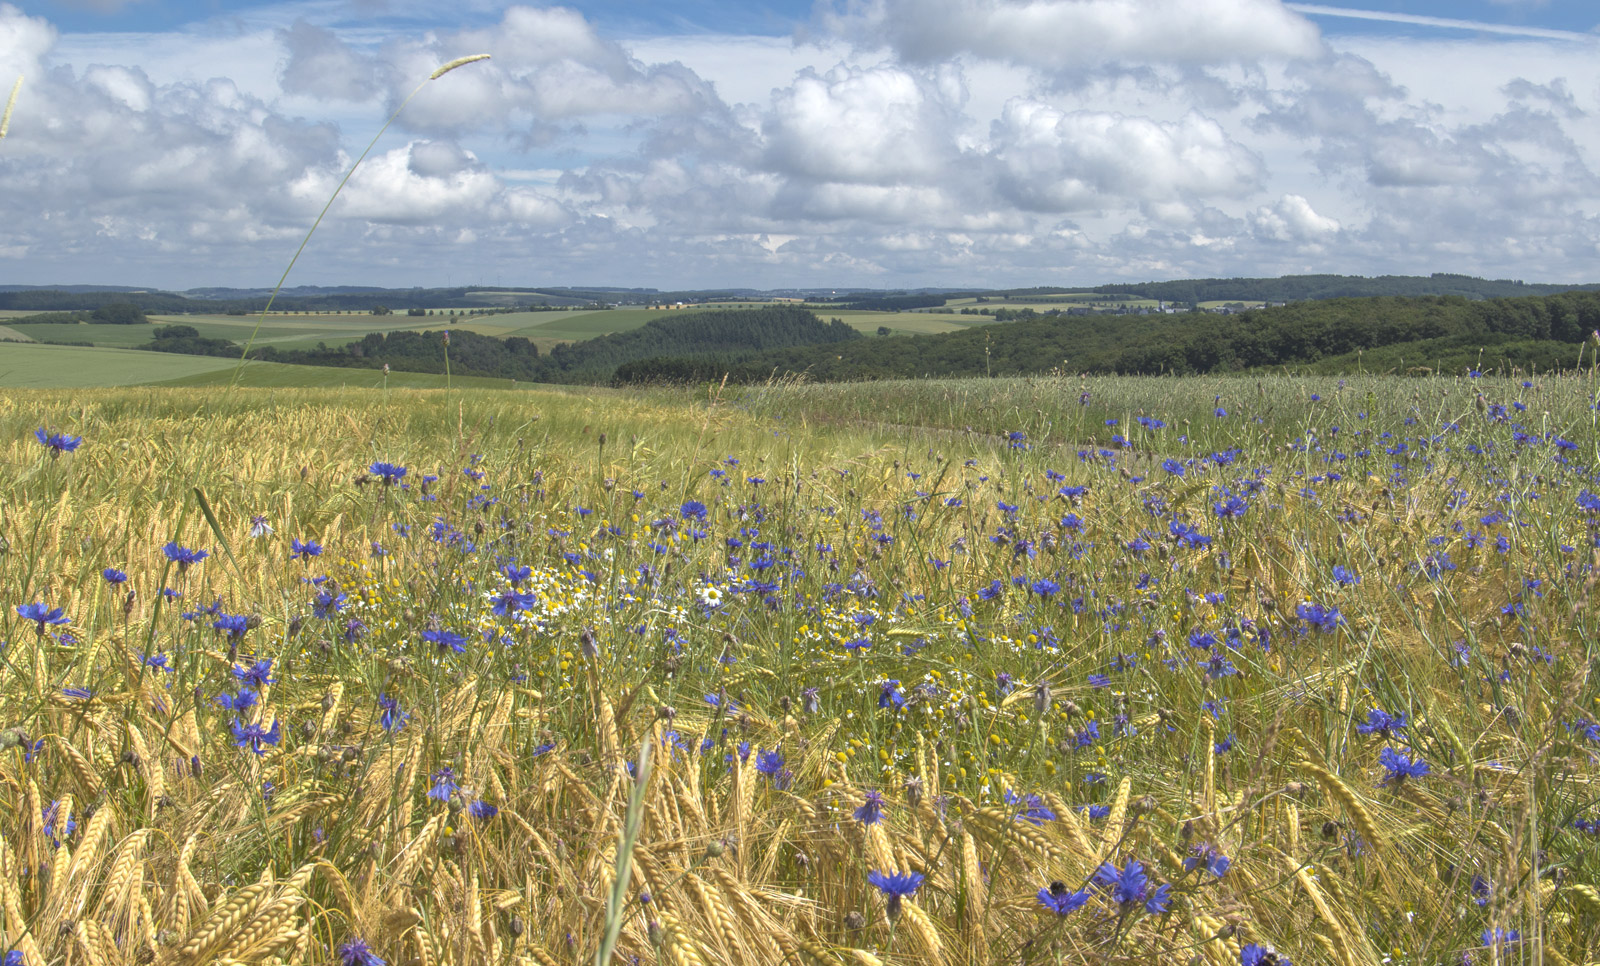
(733, 335)
(1295, 288)
(1337, 335)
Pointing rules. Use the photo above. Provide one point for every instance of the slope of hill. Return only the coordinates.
(1443, 331)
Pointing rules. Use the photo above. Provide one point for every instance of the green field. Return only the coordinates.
(45, 366)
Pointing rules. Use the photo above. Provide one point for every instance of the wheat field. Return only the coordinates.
(1227, 671)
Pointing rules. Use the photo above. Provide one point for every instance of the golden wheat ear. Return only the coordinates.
(11, 102)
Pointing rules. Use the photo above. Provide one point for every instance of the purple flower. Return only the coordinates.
(895, 886)
(872, 812)
(1324, 619)
(355, 952)
(444, 784)
(392, 719)
(304, 550)
(239, 703)
(890, 694)
(257, 674)
(1131, 885)
(1256, 955)
(183, 556)
(1382, 723)
(254, 737)
(1399, 767)
(1061, 902)
(1208, 857)
(388, 472)
(57, 443)
(446, 640)
(41, 615)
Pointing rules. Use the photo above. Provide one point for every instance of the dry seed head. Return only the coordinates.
(11, 105)
(458, 62)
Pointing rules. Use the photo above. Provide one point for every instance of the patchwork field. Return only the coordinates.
(985, 671)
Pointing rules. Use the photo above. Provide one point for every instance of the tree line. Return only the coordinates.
(1337, 335)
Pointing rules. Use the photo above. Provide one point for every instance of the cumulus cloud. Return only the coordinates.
(321, 65)
(1053, 160)
(880, 126)
(950, 142)
(1292, 219)
(1053, 35)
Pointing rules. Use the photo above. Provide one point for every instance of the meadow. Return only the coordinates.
(1117, 670)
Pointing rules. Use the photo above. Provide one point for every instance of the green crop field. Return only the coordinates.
(1036, 671)
(34, 365)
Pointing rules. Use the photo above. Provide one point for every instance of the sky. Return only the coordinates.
(788, 143)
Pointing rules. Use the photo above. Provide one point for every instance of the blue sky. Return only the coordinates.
(781, 18)
(863, 142)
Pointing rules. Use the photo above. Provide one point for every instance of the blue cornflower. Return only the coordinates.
(446, 640)
(82, 694)
(482, 810)
(183, 556)
(1256, 955)
(392, 719)
(895, 886)
(444, 784)
(769, 762)
(515, 575)
(1131, 885)
(1061, 902)
(1044, 587)
(113, 576)
(871, 813)
(14, 958)
(1210, 859)
(304, 550)
(693, 510)
(57, 443)
(509, 602)
(1035, 812)
(1345, 578)
(254, 736)
(41, 615)
(1499, 936)
(353, 951)
(326, 604)
(1399, 767)
(1382, 723)
(1231, 508)
(256, 673)
(239, 703)
(890, 694)
(1324, 619)
(388, 472)
(1173, 466)
(233, 625)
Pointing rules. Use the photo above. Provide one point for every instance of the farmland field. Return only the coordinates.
(29, 365)
(980, 671)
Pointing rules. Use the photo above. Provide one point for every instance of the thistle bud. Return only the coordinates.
(1041, 698)
(586, 644)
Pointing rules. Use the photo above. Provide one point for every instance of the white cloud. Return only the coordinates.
(1051, 160)
(880, 126)
(943, 142)
(1060, 34)
(1292, 219)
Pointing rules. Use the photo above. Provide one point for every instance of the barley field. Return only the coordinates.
(1048, 671)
